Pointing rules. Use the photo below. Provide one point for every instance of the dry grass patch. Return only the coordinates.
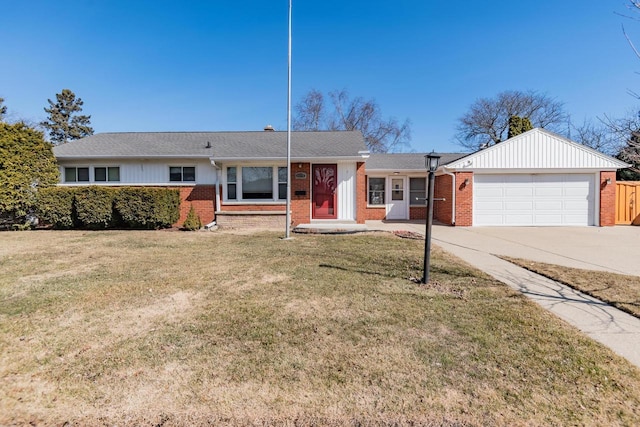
(169, 328)
(619, 290)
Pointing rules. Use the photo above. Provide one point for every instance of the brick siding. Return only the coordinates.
(202, 198)
(300, 204)
(464, 199)
(607, 199)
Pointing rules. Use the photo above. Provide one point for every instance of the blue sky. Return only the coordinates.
(222, 65)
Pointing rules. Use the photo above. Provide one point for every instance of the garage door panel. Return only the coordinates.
(519, 219)
(515, 205)
(548, 219)
(490, 192)
(518, 192)
(548, 205)
(576, 192)
(548, 192)
(534, 199)
(491, 218)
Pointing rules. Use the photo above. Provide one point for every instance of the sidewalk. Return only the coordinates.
(611, 327)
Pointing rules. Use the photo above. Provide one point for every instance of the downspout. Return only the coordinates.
(453, 194)
(217, 192)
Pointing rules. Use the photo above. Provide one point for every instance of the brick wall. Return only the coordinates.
(607, 199)
(442, 210)
(300, 204)
(464, 199)
(202, 198)
(247, 220)
(419, 212)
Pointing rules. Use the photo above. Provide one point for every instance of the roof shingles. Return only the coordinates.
(250, 145)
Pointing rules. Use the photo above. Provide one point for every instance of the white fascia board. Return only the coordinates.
(166, 156)
(531, 171)
(284, 159)
(392, 171)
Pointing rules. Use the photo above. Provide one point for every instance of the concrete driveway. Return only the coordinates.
(614, 249)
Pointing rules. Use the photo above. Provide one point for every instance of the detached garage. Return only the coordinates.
(537, 178)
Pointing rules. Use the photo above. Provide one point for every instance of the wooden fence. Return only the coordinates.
(628, 202)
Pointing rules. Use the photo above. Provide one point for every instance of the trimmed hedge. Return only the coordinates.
(105, 207)
(55, 206)
(94, 207)
(148, 207)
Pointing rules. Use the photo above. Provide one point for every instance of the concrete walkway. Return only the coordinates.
(614, 328)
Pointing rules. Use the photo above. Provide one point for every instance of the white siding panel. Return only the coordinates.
(346, 191)
(152, 172)
(537, 149)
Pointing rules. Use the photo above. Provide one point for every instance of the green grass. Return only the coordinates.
(170, 328)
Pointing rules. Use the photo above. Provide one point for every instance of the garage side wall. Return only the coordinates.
(464, 199)
(607, 199)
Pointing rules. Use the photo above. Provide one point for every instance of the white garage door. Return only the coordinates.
(538, 199)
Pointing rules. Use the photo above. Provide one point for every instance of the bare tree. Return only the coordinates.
(487, 121)
(597, 136)
(381, 135)
(626, 132)
(310, 113)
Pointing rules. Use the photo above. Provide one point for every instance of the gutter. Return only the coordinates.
(453, 194)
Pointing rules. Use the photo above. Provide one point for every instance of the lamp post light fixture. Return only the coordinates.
(431, 161)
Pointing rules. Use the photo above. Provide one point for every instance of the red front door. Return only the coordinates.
(324, 191)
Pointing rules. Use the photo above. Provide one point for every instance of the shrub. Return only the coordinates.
(55, 206)
(94, 206)
(103, 207)
(193, 221)
(148, 207)
(167, 202)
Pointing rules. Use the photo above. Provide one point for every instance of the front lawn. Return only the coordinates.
(171, 328)
(619, 290)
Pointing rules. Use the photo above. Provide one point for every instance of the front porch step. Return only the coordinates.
(330, 227)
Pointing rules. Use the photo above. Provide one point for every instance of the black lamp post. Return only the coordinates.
(431, 163)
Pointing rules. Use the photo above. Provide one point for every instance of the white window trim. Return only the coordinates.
(239, 200)
(384, 202)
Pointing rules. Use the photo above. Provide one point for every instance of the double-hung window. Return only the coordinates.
(417, 191)
(258, 183)
(76, 174)
(106, 174)
(282, 183)
(376, 191)
(182, 173)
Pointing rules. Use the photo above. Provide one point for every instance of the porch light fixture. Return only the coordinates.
(431, 161)
(608, 181)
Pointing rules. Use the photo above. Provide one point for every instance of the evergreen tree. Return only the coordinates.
(518, 125)
(63, 123)
(26, 164)
(3, 110)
